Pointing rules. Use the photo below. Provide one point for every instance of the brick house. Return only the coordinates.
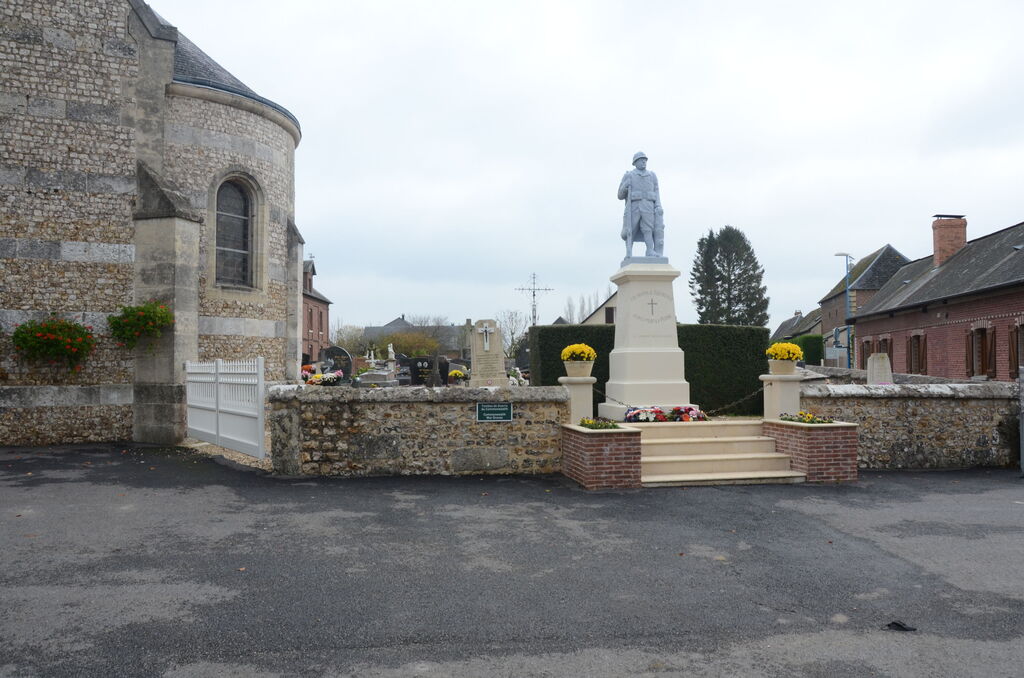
(956, 313)
(867, 276)
(316, 320)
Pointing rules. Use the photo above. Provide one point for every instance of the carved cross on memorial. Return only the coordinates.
(487, 331)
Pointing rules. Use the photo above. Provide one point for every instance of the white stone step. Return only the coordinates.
(679, 446)
(714, 463)
(733, 478)
(699, 429)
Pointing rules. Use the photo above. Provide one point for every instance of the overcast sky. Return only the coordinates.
(452, 149)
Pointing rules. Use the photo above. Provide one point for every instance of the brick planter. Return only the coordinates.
(601, 459)
(826, 453)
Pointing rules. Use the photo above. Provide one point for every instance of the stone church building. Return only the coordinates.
(134, 167)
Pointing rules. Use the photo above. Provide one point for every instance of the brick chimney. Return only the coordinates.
(949, 235)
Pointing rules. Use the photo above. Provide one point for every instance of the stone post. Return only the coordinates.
(781, 394)
(581, 399)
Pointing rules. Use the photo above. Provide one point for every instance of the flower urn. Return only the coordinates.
(578, 368)
(781, 366)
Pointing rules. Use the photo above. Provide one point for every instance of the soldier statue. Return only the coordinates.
(643, 218)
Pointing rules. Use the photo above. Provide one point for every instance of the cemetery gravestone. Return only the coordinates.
(420, 369)
(879, 369)
(488, 355)
(339, 359)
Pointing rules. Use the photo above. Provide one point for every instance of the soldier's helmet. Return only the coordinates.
(638, 155)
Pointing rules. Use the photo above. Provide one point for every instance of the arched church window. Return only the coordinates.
(234, 235)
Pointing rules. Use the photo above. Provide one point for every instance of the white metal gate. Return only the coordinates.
(225, 403)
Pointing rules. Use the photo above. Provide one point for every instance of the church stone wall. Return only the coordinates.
(67, 187)
(207, 141)
(83, 97)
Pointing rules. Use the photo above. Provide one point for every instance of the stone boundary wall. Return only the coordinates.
(844, 375)
(601, 459)
(825, 453)
(342, 431)
(925, 426)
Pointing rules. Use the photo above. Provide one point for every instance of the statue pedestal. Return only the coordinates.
(646, 366)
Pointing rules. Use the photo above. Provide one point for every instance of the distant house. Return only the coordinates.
(956, 313)
(798, 326)
(603, 314)
(453, 339)
(315, 316)
(867, 277)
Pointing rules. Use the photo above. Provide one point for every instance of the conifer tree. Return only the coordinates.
(704, 281)
(726, 280)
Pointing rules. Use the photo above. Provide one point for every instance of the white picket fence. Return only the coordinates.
(226, 404)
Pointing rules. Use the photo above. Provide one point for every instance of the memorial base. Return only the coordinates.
(646, 368)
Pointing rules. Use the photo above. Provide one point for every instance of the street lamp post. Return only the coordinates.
(847, 258)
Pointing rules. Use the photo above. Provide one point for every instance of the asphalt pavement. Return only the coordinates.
(120, 561)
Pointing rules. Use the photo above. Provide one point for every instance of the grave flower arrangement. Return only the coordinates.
(642, 414)
(134, 323)
(686, 413)
(331, 378)
(679, 413)
(784, 351)
(598, 423)
(324, 379)
(803, 417)
(578, 352)
(457, 376)
(54, 341)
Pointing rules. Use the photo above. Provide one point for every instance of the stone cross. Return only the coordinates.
(487, 331)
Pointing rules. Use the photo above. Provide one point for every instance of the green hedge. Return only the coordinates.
(813, 347)
(723, 362)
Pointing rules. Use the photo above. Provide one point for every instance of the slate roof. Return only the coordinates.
(871, 272)
(984, 264)
(317, 295)
(193, 66)
(450, 336)
(797, 325)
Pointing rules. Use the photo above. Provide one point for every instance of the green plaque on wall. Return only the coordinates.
(494, 411)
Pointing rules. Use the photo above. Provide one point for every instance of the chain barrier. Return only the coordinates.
(735, 402)
(712, 412)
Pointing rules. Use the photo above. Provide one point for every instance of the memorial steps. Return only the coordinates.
(711, 453)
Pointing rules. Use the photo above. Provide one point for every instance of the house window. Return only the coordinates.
(981, 352)
(309, 319)
(609, 315)
(1016, 341)
(865, 353)
(320, 322)
(234, 235)
(885, 346)
(917, 354)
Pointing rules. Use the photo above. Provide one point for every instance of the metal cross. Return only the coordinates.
(652, 305)
(487, 331)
